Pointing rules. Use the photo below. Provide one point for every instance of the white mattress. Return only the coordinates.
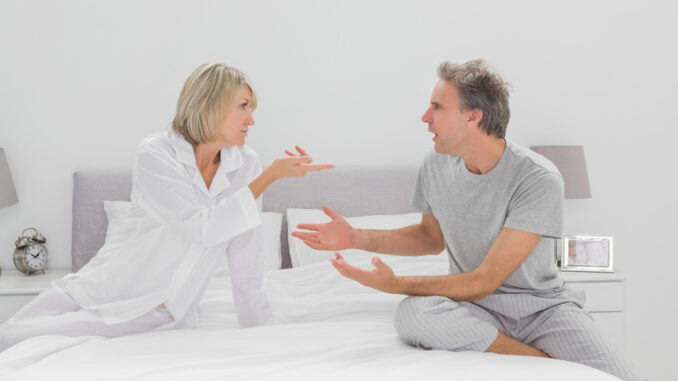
(328, 327)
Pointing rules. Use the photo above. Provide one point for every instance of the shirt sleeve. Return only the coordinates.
(246, 269)
(163, 190)
(537, 206)
(419, 200)
(245, 254)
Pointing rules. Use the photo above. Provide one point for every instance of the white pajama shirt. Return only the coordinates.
(176, 233)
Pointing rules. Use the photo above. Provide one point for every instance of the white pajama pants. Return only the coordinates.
(556, 326)
(54, 312)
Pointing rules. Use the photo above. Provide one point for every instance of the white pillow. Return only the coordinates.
(117, 213)
(302, 255)
(272, 230)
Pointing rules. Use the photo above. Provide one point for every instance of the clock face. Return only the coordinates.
(36, 256)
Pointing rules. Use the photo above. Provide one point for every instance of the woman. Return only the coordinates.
(195, 197)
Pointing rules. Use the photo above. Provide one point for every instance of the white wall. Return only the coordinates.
(82, 82)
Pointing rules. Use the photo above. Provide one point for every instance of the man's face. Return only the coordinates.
(445, 118)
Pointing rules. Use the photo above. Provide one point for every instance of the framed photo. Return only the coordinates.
(586, 253)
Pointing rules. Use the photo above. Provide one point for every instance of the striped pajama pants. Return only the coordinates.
(556, 326)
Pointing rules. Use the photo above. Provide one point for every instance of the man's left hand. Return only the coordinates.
(381, 277)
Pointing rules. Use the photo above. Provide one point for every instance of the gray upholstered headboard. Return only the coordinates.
(350, 190)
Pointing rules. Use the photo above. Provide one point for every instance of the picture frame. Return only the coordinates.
(587, 253)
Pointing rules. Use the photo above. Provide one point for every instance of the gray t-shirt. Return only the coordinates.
(524, 191)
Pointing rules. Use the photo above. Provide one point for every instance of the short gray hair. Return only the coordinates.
(205, 99)
(480, 87)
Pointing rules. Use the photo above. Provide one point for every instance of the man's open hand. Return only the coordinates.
(334, 235)
(381, 277)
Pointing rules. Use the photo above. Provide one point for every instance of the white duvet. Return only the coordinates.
(328, 327)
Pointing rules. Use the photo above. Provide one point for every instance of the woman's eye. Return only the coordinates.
(244, 105)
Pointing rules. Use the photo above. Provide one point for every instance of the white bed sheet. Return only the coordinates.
(328, 327)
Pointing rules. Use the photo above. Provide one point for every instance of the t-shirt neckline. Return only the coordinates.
(492, 173)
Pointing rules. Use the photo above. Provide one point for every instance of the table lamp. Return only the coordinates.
(7, 192)
(571, 163)
(572, 166)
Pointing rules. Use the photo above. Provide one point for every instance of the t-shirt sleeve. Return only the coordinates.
(419, 200)
(537, 206)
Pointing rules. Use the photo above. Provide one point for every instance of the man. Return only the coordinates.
(497, 207)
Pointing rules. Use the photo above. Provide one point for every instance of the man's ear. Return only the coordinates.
(474, 117)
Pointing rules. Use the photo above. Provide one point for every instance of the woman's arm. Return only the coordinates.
(294, 166)
(162, 189)
(245, 255)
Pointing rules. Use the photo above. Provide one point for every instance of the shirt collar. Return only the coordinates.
(183, 148)
(231, 160)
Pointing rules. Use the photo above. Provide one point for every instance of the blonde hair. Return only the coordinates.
(206, 97)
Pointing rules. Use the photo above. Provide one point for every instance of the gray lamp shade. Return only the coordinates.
(7, 192)
(572, 165)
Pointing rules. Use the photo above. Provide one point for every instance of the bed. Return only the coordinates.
(327, 327)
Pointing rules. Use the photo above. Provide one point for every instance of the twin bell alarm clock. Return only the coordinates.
(30, 255)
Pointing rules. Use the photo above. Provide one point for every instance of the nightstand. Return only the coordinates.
(605, 294)
(17, 289)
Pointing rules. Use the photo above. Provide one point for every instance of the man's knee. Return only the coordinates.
(412, 312)
(441, 323)
(407, 307)
(410, 318)
(404, 317)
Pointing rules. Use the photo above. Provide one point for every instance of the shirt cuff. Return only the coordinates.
(250, 209)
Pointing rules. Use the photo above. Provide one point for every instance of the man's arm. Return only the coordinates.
(507, 252)
(421, 239)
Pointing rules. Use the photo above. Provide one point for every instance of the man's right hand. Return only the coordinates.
(334, 235)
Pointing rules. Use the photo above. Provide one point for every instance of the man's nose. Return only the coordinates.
(426, 118)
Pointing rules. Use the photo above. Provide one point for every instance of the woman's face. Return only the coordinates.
(233, 128)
